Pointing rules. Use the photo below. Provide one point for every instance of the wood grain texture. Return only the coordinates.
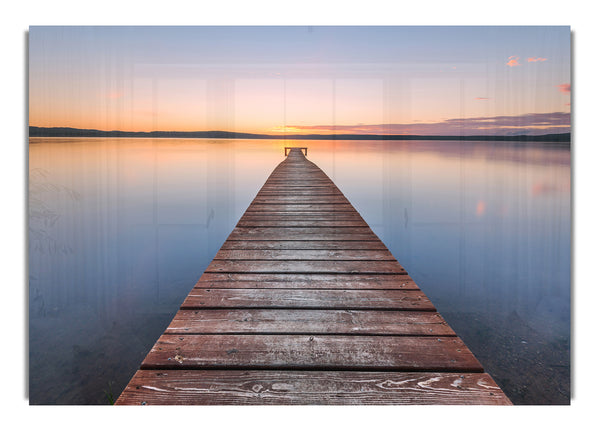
(378, 255)
(289, 233)
(301, 244)
(300, 207)
(298, 182)
(258, 387)
(281, 222)
(307, 266)
(321, 352)
(303, 193)
(302, 216)
(292, 189)
(297, 199)
(306, 281)
(299, 321)
(303, 298)
(303, 234)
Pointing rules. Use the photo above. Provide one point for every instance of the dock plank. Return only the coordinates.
(301, 198)
(301, 244)
(272, 222)
(307, 266)
(293, 189)
(258, 387)
(298, 321)
(351, 352)
(303, 234)
(325, 208)
(300, 298)
(379, 255)
(306, 281)
(302, 193)
(304, 215)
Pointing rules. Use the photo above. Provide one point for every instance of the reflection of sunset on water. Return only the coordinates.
(550, 187)
(480, 208)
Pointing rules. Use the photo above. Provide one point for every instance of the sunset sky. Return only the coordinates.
(390, 80)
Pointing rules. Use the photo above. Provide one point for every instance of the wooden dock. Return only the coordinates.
(303, 304)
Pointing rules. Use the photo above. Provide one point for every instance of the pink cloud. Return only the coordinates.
(536, 59)
(545, 188)
(482, 98)
(564, 88)
(538, 123)
(513, 61)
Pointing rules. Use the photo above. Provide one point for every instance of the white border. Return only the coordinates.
(17, 16)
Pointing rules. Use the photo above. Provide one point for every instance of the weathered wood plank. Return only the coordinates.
(306, 281)
(300, 207)
(301, 223)
(355, 299)
(301, 244)
(292, 194)
(300, 198)
(299, 184)
(330, 188)
(284, 199)
(303, 233)
(379, 255)
(259, 387)
(303, 215)
(298, 181)
(299, 321)
(307, 266)
(303, 170)
(351, 352)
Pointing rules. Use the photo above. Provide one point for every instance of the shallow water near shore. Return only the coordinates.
(121, 229)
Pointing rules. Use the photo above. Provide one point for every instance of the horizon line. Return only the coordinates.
(55, 131)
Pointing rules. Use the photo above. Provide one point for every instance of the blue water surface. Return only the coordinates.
(121, 229)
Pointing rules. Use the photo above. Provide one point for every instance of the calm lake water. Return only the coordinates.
(121, 229)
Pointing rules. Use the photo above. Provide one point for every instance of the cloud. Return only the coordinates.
(564, 88)
(534, 124)
(482, 98)
(513, 61)
(545, 188)
(536, 59)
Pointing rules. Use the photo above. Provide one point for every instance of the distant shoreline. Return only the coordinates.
(68, 132)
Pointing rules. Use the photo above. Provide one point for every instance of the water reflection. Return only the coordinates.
(119, 232)
(484, 229)
(120, 229)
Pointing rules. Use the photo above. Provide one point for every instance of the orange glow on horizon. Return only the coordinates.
(287, 129)
(275, 106)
